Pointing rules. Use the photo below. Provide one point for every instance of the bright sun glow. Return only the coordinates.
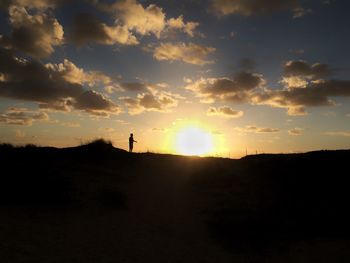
(193, 141)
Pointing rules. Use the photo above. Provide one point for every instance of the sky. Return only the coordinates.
(258, 76)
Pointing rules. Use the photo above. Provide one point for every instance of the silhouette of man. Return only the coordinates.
(131, 142)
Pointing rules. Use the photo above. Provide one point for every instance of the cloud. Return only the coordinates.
(305, 86)
(267, 130)
(252, 7)
(153, 97)
(31, 80)
(179, 24)
(93, 101)
(314, 95)
(255, 129)
(73, 74)
(154, 88)
(86, 28)
(224, 111)
(36, 34)
(38, 4)
(239, 89)
(295, 131)
(22, 116)
(131, 19)
(300, 12)
(339, 133)
(294, 82)
(149, 102)
(146, 20)
(135, 17)
(300, 68)
(299, 73)
(189, 53)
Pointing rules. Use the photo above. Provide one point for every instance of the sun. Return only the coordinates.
(193, 140)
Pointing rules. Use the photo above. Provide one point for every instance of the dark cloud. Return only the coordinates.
(22, 116)
(86, 28)
(253, 7)
(305, 86)
(148, 101)
(4, 4)
(133, 86)
(301, 68)
(161, 102)
(238, 89)
(35, 34)
(34, 81)
(295, 100)
(92, 101)
(31, 80)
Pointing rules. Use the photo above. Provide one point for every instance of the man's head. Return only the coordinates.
(131, 135)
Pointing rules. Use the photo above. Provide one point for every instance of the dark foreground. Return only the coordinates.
(95, 203)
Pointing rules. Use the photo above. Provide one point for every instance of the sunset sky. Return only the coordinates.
(263, 75)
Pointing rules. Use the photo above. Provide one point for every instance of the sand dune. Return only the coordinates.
(95, 203)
